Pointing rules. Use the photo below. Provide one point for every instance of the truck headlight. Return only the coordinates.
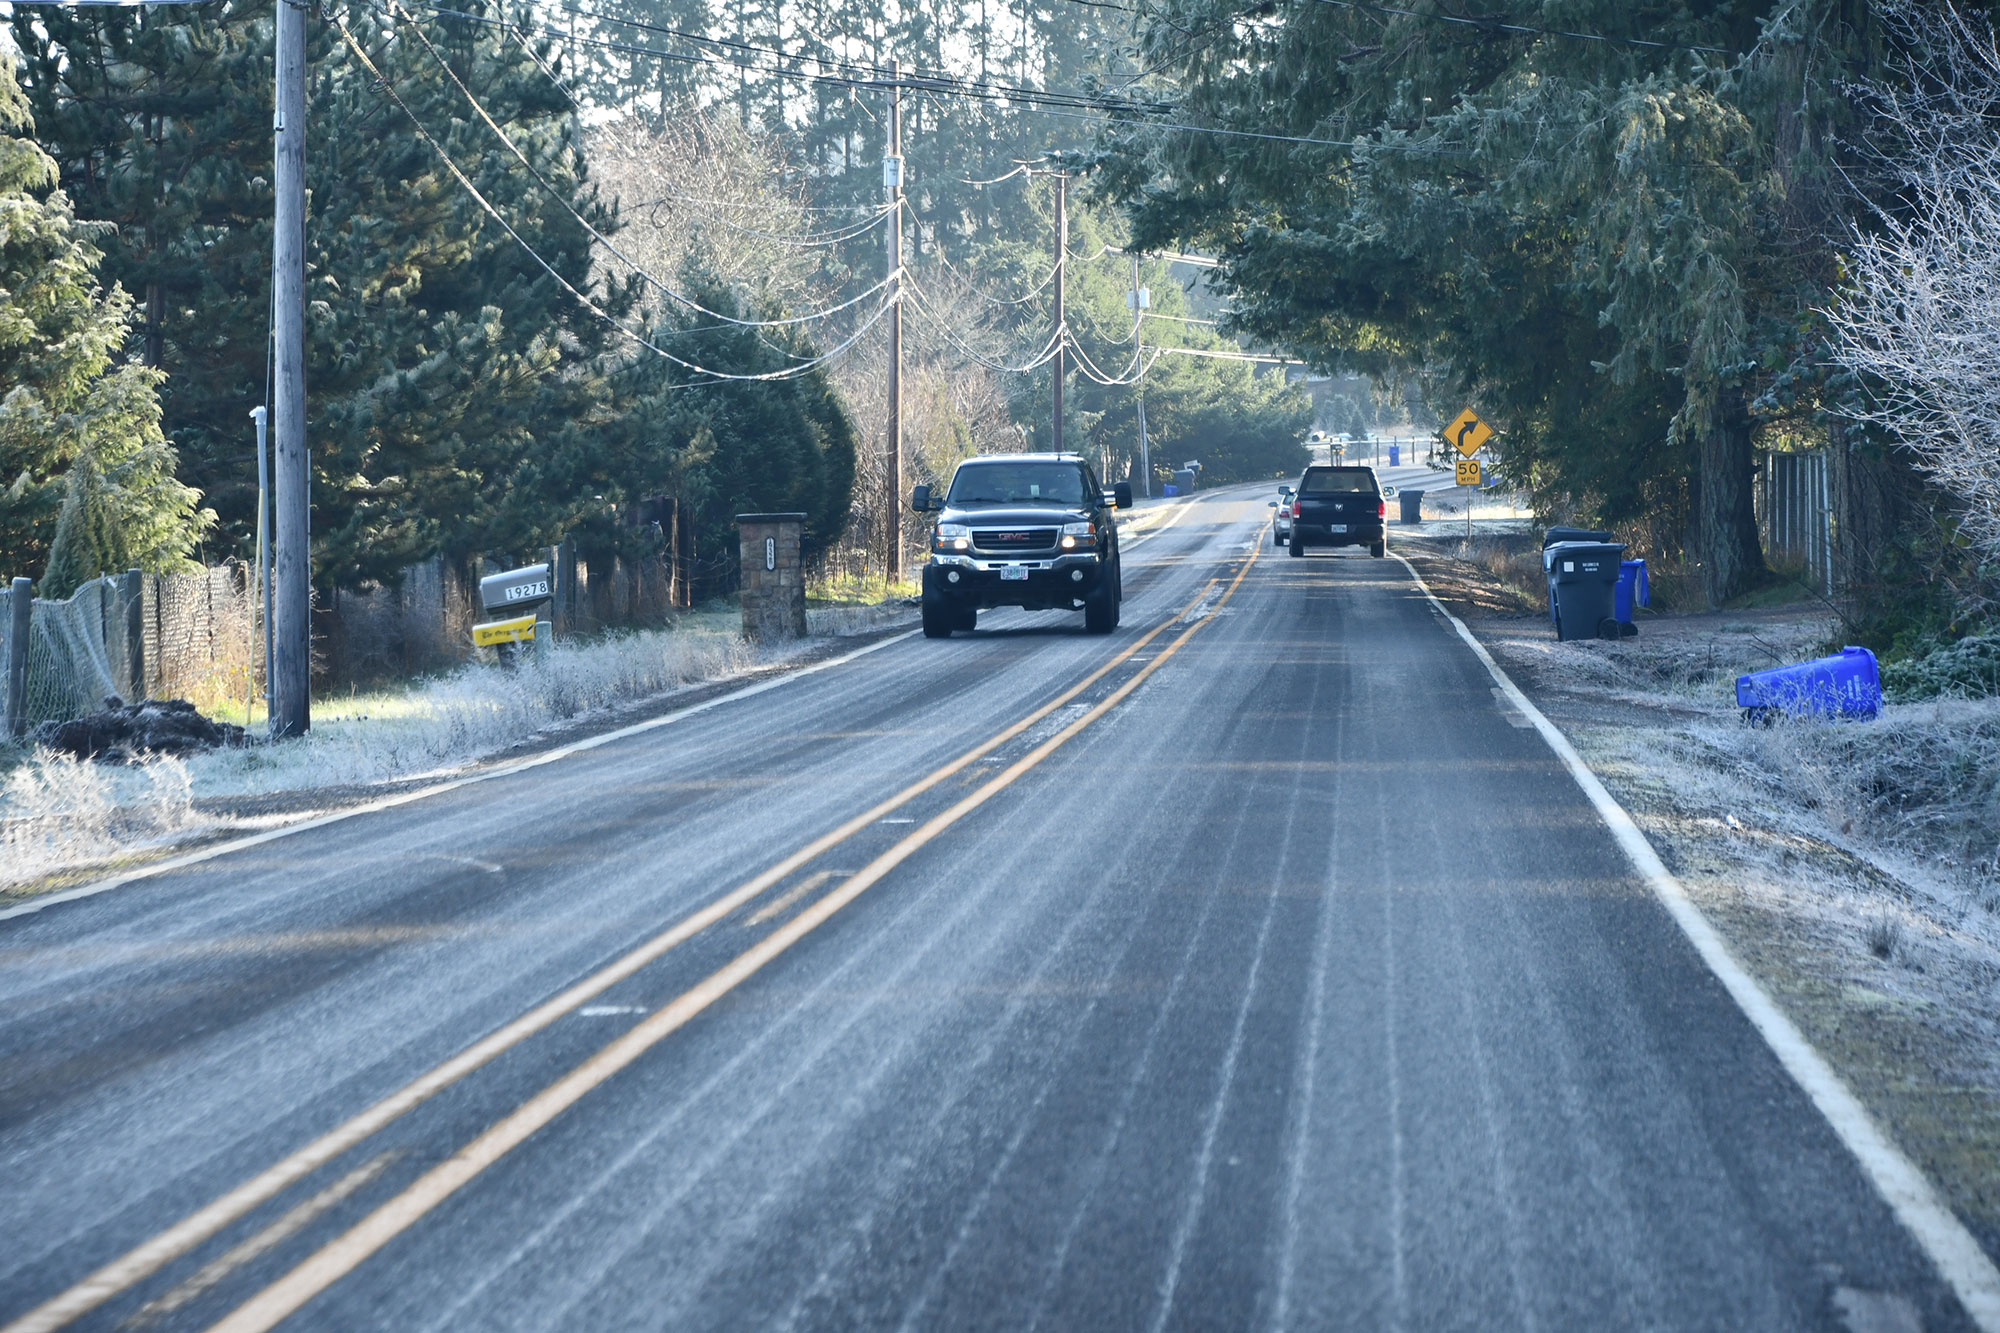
(953, 537)
(1078, 534)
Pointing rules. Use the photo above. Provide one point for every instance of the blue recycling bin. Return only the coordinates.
(1846, 685)
(1395, 455)
(1632, 590)
(1170, 490)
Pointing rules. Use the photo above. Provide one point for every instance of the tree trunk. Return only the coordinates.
(1725, 516)
(155, 352)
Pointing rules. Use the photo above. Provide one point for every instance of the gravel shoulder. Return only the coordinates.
(1871, 914)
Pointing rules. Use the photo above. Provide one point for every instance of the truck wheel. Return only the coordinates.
(968, 619)
(938, 621)
(1298, 547)
(1100, 608)
(1379, 549)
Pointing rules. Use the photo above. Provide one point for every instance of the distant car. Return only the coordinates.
(1340, 506)
(1281, 522)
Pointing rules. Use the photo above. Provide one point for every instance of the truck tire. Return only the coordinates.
(1100, 608)
(1297, 547)
(938, 621)
(1379, 549)
(968, 619)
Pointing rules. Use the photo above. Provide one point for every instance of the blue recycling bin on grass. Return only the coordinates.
(1170, 490)
(1846, 685)
(1395, 455)
(1632, 590)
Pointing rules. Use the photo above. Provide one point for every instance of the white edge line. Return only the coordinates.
(784, 676)
(1959, 1258)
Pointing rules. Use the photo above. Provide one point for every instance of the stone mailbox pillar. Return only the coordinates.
(774, 579)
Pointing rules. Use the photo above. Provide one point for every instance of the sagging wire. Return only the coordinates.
(1041, 358)
(809, 241)
(382, 81)
(396, 14)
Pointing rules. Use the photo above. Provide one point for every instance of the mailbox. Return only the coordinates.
(520, 588)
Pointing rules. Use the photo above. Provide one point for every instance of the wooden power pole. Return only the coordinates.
(1139, 295)
(1062, 257)
(892, 180)
(291, 634)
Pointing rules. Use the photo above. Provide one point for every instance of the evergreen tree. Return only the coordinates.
(1601, 239)
(446, 362)
(89, 483)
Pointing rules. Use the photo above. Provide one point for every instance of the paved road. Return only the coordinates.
(1273, 978)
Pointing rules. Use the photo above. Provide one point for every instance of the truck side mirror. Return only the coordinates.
(920, 499)
(1122, 493)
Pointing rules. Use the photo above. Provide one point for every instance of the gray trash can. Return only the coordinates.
(1413, 504)
(1583, 580)
(1554, 535)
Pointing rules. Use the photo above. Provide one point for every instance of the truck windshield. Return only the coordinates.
(1338, 481)
(1017, 483)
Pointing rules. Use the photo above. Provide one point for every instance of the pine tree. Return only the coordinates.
(444, 358)
(90, 476)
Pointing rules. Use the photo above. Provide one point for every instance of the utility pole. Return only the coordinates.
(1062, 264)
(1139, 304)
(892, 181)
(291, 635)
(261, 417)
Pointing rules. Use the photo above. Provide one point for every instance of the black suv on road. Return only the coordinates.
(1027, 530)
(1339, 506)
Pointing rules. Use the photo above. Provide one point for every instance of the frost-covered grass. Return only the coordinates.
(59, 814)
(1914, 793)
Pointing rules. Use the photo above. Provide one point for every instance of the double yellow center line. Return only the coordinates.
(344, 1253)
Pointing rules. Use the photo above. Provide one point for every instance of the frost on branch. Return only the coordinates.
(1919, 323)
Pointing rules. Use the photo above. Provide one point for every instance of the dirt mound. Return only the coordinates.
(122, 731)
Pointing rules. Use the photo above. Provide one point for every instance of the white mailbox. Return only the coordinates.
(516, 588)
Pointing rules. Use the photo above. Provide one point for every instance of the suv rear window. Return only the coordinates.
(1339, 481)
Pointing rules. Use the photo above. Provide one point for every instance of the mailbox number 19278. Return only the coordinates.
(522, 592)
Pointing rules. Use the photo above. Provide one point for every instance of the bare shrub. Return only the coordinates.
(1883, 935)
(1919, 322)
(58, 813)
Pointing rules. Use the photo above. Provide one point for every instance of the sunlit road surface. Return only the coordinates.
(1252, 967)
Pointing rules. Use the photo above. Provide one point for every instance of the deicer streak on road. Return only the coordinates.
(1247, 967)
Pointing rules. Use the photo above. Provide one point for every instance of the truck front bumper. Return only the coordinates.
(1056, 582)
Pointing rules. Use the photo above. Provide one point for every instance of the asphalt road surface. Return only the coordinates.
(1251, 967)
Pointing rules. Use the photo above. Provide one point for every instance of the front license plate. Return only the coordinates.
(1336, 527)
(1013, 574)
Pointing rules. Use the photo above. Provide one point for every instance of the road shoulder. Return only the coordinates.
(1890, 973)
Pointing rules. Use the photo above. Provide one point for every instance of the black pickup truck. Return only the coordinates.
(1027, 530)
(1339, 506)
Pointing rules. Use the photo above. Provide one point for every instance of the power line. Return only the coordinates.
(466, 184)
(1043, 357)
(1484, 23)
(395, 13)
(1494, 24)
(1063, 104)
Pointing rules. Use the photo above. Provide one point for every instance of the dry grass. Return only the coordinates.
(58, 814)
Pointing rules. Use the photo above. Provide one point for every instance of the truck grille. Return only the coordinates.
(1014, 539)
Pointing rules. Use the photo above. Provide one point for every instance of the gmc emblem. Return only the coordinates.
(1010, 536)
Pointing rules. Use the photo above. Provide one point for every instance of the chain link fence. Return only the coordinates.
(198, 636)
